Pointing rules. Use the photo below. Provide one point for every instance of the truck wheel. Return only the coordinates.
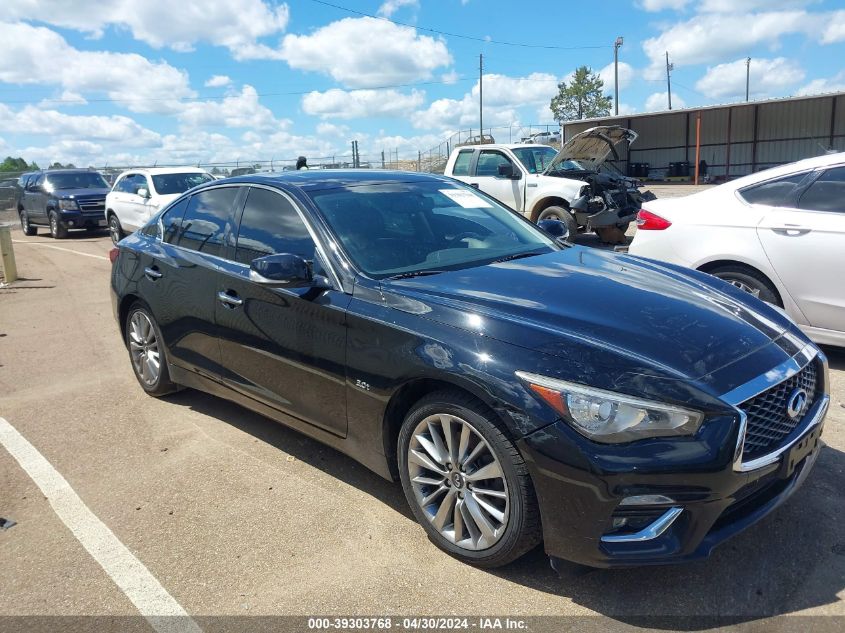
(564, 215)
(26, 227)
(57, 230)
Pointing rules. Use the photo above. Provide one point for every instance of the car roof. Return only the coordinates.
(825, 160)
(77, 170)
(503, 146)
(155, 171)
(321, 179)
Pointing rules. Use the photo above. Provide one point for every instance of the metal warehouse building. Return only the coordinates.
(734, 139)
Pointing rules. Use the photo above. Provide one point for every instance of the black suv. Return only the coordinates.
(63, 199)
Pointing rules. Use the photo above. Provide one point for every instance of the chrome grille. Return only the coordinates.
(768, 422)
(89, 206)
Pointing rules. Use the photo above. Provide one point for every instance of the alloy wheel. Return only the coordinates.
(458, 482)
(114, 229)
(143, 347)
(24, 222)
(54, 225)
(743, 286)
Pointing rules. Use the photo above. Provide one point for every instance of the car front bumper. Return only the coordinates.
(82, 219)
(703, 498)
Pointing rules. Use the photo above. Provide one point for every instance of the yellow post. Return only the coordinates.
(7, 254)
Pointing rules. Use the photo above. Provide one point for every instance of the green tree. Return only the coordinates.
(582, 98)
(16, 164)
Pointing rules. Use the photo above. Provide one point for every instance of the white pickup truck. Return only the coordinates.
(574, 185)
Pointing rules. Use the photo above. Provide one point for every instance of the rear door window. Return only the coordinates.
(827, 193)
(204, 223)
(779, 192)
(461, 166)
(171, 220)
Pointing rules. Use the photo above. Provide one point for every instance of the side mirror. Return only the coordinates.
(506, 170)
(143, 192)
(557, 229)
(283, 270)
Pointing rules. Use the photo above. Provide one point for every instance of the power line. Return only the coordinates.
(458, 35)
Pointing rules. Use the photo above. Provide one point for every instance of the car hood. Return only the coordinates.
(81, 193)
(592, 147)
(581, 301)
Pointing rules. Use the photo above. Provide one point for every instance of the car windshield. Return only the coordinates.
(404, 229)
(80, 180)
(178, 183)
(535, 159)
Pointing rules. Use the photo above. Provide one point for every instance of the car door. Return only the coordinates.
(134, 204)
(805, 243)
(283, 347)
(181, 274)
(119, 201)
(461, 168)
(35, 200)
(486, 177)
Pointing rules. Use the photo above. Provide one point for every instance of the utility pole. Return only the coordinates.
(669, 67)
(481, 95)
(747, 76)
(616, 46)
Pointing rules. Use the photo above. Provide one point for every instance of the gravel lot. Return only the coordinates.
(236, 515)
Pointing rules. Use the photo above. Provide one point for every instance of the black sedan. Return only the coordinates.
(523, 390)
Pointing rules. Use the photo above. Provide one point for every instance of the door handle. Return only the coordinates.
(473, 184)
(152, 273)
(229, 301)
(791, 230)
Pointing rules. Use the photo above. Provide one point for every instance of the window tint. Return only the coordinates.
(461, 167)
(76, 180)
(775, 193)
(271, 225)
(166, 184)
(171, 220)
(827, 193)
(205, 220)
(38, 182)
(488, 163)
(535, 159)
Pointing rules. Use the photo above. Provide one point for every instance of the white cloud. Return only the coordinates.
(660, 5)
(390, 7)
(357, 104)
(768, 76)
(239, 110)
(710, 38)
(626, 75)
(740, 6)
(59, 125)
(218, 81)
(819, 86)
(38, 55)
(502, 90)
(659, 102)
(161, 23)
(331, 129)
(366, 53)
(451, 77)
(834, 30)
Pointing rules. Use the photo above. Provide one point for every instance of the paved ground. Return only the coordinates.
(234, 514)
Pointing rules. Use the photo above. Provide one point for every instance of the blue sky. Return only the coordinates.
(124, 82)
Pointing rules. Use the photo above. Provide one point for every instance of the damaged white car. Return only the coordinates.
(577, 185)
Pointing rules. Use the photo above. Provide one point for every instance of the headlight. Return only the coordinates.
(68, 205)
(605, 416)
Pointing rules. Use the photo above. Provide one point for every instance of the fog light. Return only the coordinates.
(646, 500)
(72, 223)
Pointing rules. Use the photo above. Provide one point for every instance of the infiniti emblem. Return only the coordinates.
(797, 403)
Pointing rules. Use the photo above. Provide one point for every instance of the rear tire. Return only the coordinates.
(487, 522)
(57, 230)
(564, 215)
(751, 281)
(26, 227)
(115, 230)
(146, 352)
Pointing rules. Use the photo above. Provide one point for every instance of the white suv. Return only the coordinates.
(139, 193)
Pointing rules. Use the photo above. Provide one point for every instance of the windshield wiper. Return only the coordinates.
(510, 258)
(415, 273)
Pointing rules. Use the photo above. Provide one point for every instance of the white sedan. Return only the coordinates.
(778, 234)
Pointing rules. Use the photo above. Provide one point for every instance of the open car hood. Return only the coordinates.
(592, 147)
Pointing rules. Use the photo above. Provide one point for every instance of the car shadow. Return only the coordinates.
(835, 356)
(794, 559)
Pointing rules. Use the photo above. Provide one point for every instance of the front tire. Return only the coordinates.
(58, 231)
(146, 352)
(564, 215)
(749, 280)
(115, 229)
(26, 227)
(465, 481)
